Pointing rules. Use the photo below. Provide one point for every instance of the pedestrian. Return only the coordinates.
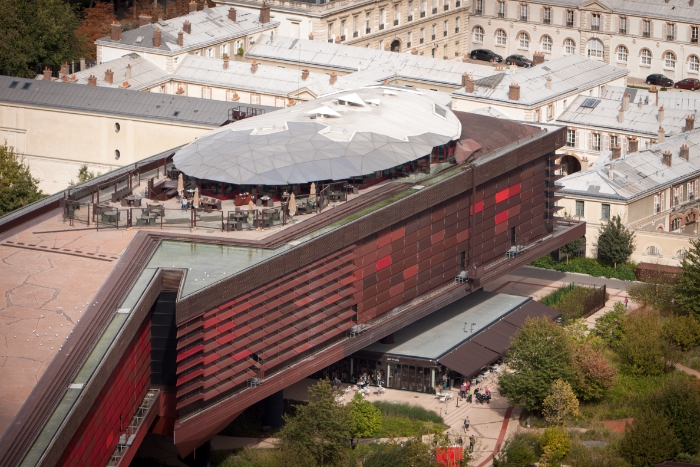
(488, 395)
(463, 390)
(469, 396)
(626, 301)
(184, 203)
(472, 442)
(466, 424)
(445, 380)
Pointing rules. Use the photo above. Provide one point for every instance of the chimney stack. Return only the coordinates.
(334, 78)
(82, 64)
(387, 47)
(116, 32)
(156, 38)
(187, 27)
(611, 173)
(180, 38)
(92, 80)
(662, 135)
(621, 115)
(584, 164)
(264, 13)
(689, 123)
(144, 19)
(225, 63)
(468, 83)
(65, 71)
(304, 74)
(465, 59)
(639, 103)
(685, 152)
(254, 67)
(311, 36)
(109, 76)
(548, 83)
(414, 51)
(47, 73)
(654, 92)
(660, 115)
(537, 58)
(514, 92)
(626, 102)
(634, 144)
(128, 71)
(232, 14)
(337, 39)
(193, 6)
(667, 158)
(616, 152)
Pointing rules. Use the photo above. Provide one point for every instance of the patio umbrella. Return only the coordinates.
(195, 201)
(292, 205)
(312, 193)
(180, 185)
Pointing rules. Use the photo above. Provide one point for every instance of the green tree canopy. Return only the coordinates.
(17, 186)
(37, 32)
(561, 404)
(572, 247)
(366, 418)
(642, 349)
(649, 440)
(609, 326)
(520, 450)
(683, 331)
(540, 353)
(615, 242)
(687, 288)
(556, 443)
(679, 400)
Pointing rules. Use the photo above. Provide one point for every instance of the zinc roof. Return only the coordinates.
(677, 10)
(108, 101)
(144, 74)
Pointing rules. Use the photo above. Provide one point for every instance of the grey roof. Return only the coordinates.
(436, 334)
(569, 74)
(108, 101)
(144, 74)
(615, 93)
(677, 10)
(209, 26)
(679, 100)
(351, 58)
(643, 120)
(289, 146)
(637, 174)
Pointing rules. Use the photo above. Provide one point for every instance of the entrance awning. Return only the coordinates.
(468, 358)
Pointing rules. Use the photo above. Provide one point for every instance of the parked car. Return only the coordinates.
(688, 83)
(519, 60)
(659, 80)
(485, 55)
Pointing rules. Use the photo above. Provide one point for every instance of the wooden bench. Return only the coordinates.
(206, 202)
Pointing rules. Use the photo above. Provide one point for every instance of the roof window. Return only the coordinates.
(439, 111)
(14, 84)
(176, 113)
(26, 85)
(590, 103)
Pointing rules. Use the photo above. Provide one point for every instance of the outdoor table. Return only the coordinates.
(267, 201)
(130, 200)
(147, 218)
(111, 216)
(237, 217)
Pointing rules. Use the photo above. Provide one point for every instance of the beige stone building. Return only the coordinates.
(654, 191)
(642, 36)
(436, 28)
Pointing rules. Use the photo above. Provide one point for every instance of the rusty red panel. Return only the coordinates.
(501, 217)
(502, 195)
(479, 207)
(189, 352)
(383, 262)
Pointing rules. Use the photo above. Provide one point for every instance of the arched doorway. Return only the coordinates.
(571, 164)
(396, 46)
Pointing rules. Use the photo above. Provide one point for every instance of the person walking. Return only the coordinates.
(463, 390)
(184, 203)
(626, 301)
(466, 424)
(445, 381)
(469, 396)
(472, 442)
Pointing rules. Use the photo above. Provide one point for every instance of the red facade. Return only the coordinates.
(271, 327)
(95, 440)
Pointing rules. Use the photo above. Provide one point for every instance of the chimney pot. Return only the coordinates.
(387, 47)
(414, 51)
(465, 59)
(537, 58)
(662, 135)
(621, 115)
(128, 71)
(265, 13)
(193, 6)
(311, 36)
(337, 39)
(667, 158)
(611, 173)
(225, 63)
(660, 115)
(47, 74)
(685, 151)
(304, 74)
(654, 91)
(254, 67)
(187, 26)
(616, 152)
(689, 123)
(514, 92)
(468, 83)
(144, 19)
(548, 83)
(626, 102)
(334, 78)
(109, 76)
(232, 14)
(156, 38)
(92, 80)
(639, 103)
(116, 32)
(584, 164)
(180, 38)
(634, 144)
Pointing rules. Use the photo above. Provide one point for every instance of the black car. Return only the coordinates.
(659, 80)
(520, 60)
(485, 55)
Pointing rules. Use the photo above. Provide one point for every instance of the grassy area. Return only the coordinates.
(568, 300)
(400, 420)
(590, 266)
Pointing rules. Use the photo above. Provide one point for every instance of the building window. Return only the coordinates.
(670, 32)
(210, 52)
(255, 99)
(645, 57)
(646, 28)
(652, 250)
(408, 39)
(622, 53)
(546, 15)
(224, 50)
(595, 49)
(595, 22)
(605, 212)
(444, 29)
(206, 93)
(446, 5)
(382, 18)
(571, 138)
(669, 60)
(457, 25)
(279, 101)
(623, 25)
(501, 9)
(657, 204)
(478, 34)
(434, 33)
(523, 41)
(693, 64)
(546, 44)
(479, 7)
(579, 208)
(569, 47)
(396, 15)
(368, 28)
(343, 32)
(682, 254)
(613, 141)
(550, 112)
(117, 154)
(501, 37)
(694, 34)
(117, 127)
(570, 18)
(690, 191)
(523, 12)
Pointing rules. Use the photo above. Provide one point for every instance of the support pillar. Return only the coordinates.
(273, 410)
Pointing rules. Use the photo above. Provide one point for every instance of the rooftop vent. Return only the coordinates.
(390, 93)
(139, 39)
(373, 101)
(351, 99)
(324, 111)
(590, 102)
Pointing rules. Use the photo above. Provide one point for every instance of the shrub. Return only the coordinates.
(608, 327)
(595, 373)
(679, 400)
(683, 331)
(649, 440)
(545, 262)
(520, 450)
(640, 347)
(561, 403)
(366, 418)
(655, 295)
(404, 410)
(556, 443)
(687, 287)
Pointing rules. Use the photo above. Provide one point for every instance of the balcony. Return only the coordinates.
(479, 11)
(523, 17)
(330, 41)
(356, 34)
(458, 4)
(435, 10)
(446, 7)
(410, 17)
(432, 38)
(670, 37)
(408, 44)
(421, 40)
(547, 20)
(694, 40)
(381, 26)
(623, 31)
(396, 22)
(501, 14)
(457, 31)
(444, 33)
(342, 38)
(368, 30)
(595, 27)
(422, 14)
(570, 23)
(646, 34)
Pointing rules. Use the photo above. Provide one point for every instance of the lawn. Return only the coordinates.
(590, 266)
(400, 420)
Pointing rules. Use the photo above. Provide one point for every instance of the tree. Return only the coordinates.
(683, 331)
(84, 175)
(323, 427)
(595, 374)
(17, 186)
(366, 418)
(608, 327)
(35, 33)
(641, 348)
(687, 288)
(679, 400)
(561, 403)
(649, 440)
(615, 242)
(556, 443)
(572, 247)
(539, 354)
(96, 23)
